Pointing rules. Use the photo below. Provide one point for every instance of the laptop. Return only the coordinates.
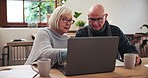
(87, 55)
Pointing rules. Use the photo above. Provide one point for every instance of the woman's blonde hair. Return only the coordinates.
(55, 16)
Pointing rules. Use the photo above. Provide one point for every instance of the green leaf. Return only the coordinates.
(80, 23)
(77, 14)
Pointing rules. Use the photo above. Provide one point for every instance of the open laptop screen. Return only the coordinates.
(91, 55)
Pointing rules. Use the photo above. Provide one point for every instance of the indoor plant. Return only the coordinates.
(144, 34)
(76, 14)
(80, 23)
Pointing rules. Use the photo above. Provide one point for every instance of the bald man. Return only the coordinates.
(99, 26)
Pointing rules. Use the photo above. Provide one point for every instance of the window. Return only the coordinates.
(21, 12)
(12, 14)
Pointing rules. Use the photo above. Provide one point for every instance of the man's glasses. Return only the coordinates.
(66, 20)
(96, 19)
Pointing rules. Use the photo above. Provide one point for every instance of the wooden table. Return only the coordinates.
(25, 71)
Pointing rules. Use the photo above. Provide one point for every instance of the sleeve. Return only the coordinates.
(43, 48)
(78, 33)
(124, 44)
(83, 32)
(56, 55)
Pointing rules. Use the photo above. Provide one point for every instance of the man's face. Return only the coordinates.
(97, 20)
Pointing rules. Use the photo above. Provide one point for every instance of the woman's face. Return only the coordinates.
(65, 23)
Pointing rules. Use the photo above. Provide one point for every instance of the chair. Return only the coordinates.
(144, 48)
(16, 52)
(139, 39)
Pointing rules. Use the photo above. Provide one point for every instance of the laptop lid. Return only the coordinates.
(91, 55)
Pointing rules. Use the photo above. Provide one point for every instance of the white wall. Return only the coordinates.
(129, 15)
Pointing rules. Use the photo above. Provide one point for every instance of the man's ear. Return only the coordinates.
(87, 15)
(106, 15)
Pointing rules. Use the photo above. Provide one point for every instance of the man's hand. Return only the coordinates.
(138, 60)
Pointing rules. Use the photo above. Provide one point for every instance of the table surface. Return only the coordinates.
(25, 71)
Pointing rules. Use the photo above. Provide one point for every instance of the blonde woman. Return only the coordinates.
(51, 42)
